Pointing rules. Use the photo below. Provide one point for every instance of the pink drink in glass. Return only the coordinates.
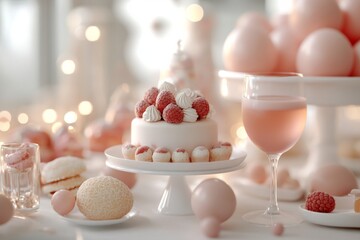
(274, 123)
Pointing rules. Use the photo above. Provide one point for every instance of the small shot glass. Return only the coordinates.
(20, 175)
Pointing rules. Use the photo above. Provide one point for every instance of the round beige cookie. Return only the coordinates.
(104, 198)
(71, 184)
(62, 168)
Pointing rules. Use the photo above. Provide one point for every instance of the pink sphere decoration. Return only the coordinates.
(287, 44)
(309, 15)
(254, 19)
(333, 179)
(126, 177)
(213, 198)
(325, 52)
(7, 209)
(278, 229)
(210, 227)
(249, 49)
(351, 26)
(356, 68)
(63, 202)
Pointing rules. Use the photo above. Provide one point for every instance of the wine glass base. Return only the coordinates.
(263, 219)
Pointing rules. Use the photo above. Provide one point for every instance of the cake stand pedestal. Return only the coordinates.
(176, 198)
(324, 94)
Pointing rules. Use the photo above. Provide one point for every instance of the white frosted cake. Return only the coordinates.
(174, 121)
(185, 135)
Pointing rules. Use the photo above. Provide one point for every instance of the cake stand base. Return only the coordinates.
(176, 198)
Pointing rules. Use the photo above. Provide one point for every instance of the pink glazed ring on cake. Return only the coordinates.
(143, 153)
(180, 155)
(200, 154)
(161, 154)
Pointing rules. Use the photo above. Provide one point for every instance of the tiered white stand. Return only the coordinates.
(325, 94)
(176, 198)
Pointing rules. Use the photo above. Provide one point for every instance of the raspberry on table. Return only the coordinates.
(163, 99)
(173, 113)
(140, 108)
(151, 95)
(201, 106)
(320, 202)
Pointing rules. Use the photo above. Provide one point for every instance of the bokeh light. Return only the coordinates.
(23, 118)
(92, 33)
(49, 115)
(70, 117)
(194, 13)
(68, 67)
(85, 108)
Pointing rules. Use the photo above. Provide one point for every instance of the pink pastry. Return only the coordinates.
(33, 134)
(143, 153)
(180, 155)
(66, 142)
(128, 151)
(161, 154)
(100, 135)
(21, 159)
(200, 154)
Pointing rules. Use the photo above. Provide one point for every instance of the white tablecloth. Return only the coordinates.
(149, 224)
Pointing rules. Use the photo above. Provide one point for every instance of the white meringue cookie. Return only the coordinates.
(190, 115)
(152, 114)
(167, 86)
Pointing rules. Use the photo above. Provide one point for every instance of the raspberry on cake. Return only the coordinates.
(173, 114)
(200, 154)
(180, 155)
(201, 106)
(161, 154)
(151, 95)
(140, 108)
(128, 151)
(163, 99)
(143, 153)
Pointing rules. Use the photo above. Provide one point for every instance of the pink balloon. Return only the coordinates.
(325, 52)
(213, 198)
(351, 26)
(254, 19)
(309, 15)
(249, 49)
(287, 44)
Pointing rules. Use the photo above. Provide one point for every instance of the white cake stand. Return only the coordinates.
(176, 198)
(325, 94)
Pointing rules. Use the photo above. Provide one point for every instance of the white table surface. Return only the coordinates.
(149, 224)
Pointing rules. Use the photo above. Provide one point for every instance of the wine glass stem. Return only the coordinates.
(273, 208)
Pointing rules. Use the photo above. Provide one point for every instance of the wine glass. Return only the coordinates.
(274, 117)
